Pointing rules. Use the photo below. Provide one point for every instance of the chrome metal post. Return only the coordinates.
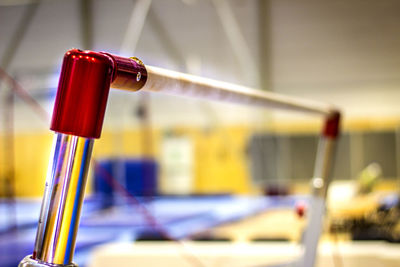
(62, 202)
(319, 186)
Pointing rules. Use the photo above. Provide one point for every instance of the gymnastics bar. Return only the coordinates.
(85, 81)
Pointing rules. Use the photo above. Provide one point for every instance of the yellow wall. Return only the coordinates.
(31, 159)
(220, 160)
(220, 163)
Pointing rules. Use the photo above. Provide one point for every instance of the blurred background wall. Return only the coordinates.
(342, 52)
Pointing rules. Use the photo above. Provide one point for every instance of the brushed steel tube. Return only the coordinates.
(62, 201)
(181, 84)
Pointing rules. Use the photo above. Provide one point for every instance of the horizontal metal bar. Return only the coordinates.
(176, 83)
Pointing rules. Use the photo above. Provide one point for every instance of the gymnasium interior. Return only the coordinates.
(199, 133)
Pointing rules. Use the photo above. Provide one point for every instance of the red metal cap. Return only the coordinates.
(332, 125)
(82, 93)
(84, 86)
(129, 74)
(83, 89)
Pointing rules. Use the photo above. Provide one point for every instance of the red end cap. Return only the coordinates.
(129, 73)
(332, 125)
(82, 93)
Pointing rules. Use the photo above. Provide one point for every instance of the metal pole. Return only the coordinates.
(86, 23)
(237, 40)
(77, 120)
(397, 141)
(19, 34)
(135, 26)
(319, 185)
(265, 44)
(62, 201)
(9, 158)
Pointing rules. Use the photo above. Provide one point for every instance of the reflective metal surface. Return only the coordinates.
(29, 262)
(82, 93)
(84, 87)
(62, 202)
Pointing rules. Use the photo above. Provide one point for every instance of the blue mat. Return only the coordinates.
(179, 217)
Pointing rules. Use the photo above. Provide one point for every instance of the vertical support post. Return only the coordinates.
(62, 201)
(77, 120)
(86, 23)
(397, 139)
(319, 186)
(9, 158)
(265, 39)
